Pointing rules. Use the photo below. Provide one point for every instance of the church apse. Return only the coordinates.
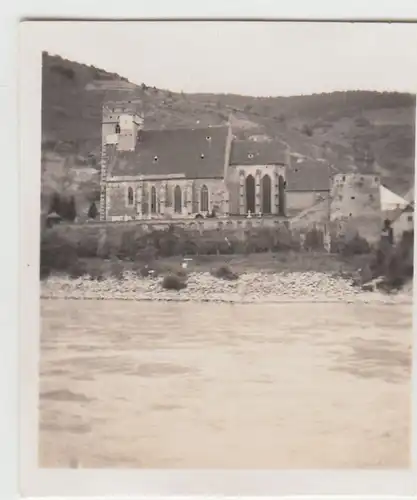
(260, 189)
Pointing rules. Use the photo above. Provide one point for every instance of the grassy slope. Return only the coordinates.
(341, 127)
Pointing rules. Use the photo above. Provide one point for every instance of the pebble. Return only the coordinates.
(203, 287)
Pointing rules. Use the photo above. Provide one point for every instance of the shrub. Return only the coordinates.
(314, 240)
(68, 209)
(96, 274)
(394, 263)
(117, 269)
(56, 254)
(224, 272)
(77, 270)
(189, 247)
(355, 246)
(135, 246)
(167, 243)
(127, 247)
(260, 240)
(348, 248)
(285, 240)
(94, 270)
(87, 246)
(173, 282)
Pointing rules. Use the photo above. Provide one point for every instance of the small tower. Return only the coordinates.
(121, 123)
(356, 200)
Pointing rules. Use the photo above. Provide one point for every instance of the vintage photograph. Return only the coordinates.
(226, 245)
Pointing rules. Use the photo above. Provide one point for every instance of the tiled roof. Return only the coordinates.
(257, 153)
(196, 153)
(308, 176)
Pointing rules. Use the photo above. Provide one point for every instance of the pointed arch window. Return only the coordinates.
(204, 199)
(266, 194)
(250, 193)
(130, 196)
(177, 200)
(168, 196)
(153, 200)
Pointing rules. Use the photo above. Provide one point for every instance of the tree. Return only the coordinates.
(56, 204)
(92, 211)
(70, 212)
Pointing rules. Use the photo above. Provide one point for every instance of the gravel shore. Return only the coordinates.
(203, 287)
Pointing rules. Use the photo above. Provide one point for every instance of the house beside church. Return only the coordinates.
(308, 183)
(183, 172)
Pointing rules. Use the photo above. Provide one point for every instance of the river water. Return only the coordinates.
(191, 385)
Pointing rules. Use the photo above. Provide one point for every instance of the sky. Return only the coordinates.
(250, 58)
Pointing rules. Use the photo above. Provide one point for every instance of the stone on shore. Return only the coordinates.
(203, 287)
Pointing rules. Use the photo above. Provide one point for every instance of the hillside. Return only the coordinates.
(373, 131)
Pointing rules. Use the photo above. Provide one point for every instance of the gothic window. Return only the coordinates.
(145, 199)
(153, 200)
(266, 194)
(177, 200)
(168, 199)
(117, 128)
(204, 200)
(281, 198)
(130, 196)
(250, 193)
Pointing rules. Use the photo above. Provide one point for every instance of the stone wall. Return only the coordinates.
(209, 224)
(119, 209)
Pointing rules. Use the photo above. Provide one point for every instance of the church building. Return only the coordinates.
(182, 172)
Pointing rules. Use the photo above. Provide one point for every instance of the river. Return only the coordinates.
(203, 385)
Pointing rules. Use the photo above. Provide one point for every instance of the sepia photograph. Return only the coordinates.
(226, 236)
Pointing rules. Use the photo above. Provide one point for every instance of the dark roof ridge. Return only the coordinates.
(173, 129)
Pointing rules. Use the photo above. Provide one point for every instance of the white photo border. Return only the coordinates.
(60, 483)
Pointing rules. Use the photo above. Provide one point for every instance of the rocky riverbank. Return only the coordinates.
(203, 287)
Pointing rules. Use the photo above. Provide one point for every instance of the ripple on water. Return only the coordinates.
(160, 369)
(64, 395)
(75, 428)
(368, 359)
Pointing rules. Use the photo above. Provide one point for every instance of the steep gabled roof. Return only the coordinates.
(308, 175)
(257, 153)
(389, 198)
(196, 153)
